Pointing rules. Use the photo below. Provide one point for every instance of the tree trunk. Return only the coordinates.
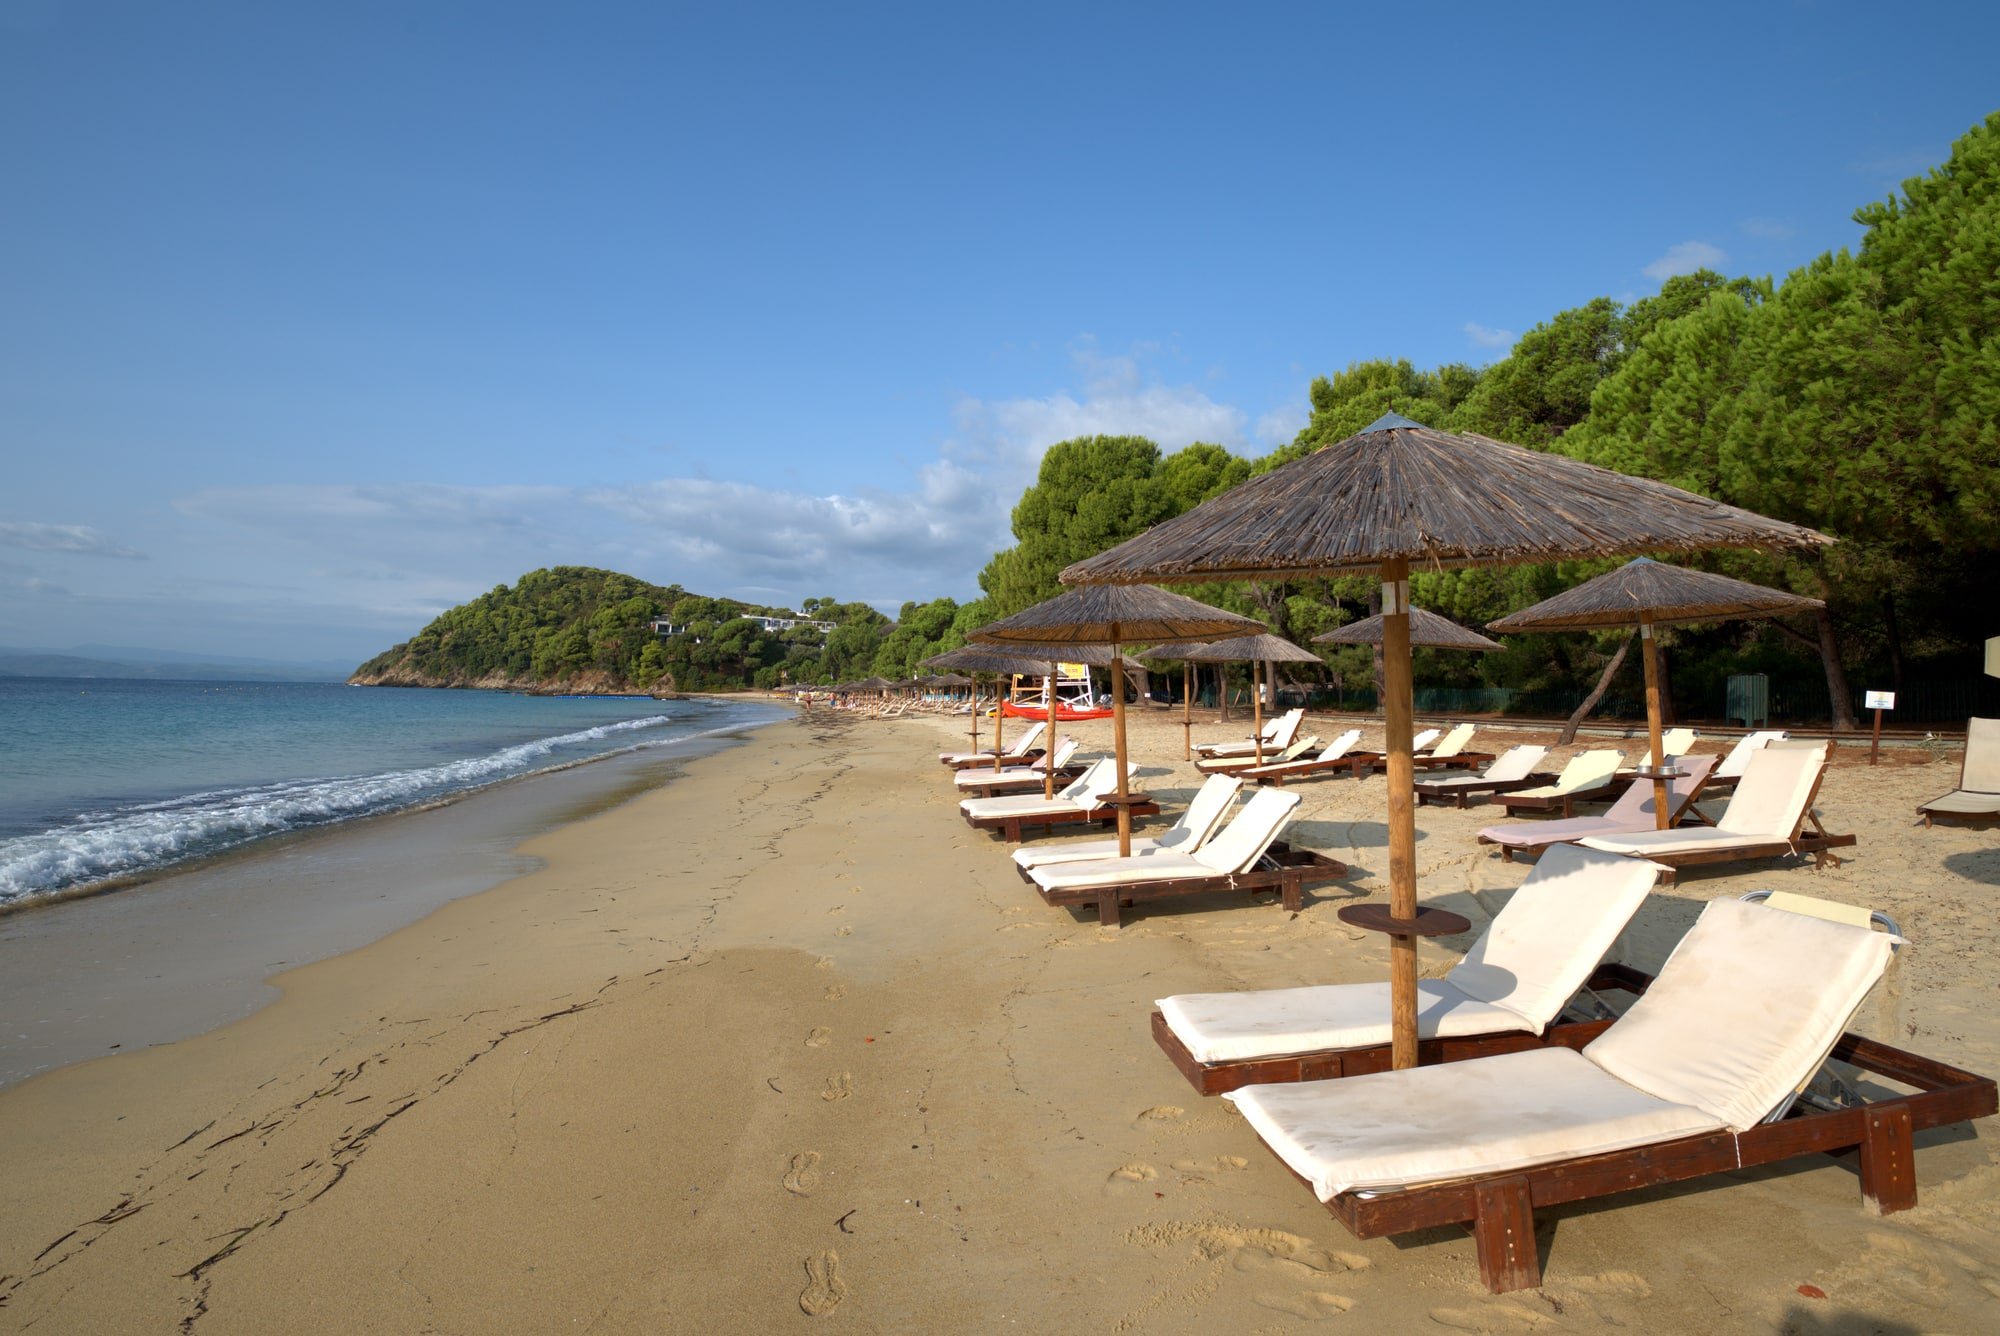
(1597, 693)
(1894, 631)
(1836, 676)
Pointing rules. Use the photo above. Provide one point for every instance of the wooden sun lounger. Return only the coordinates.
(1638, 794)
(1498, 1205)
(1215, 1078)
(1236, 765)
(1457, 761)
(1977, 797)
(1463, 788)
(1808, 839)
(1499, 1208)
(1017, 783)
(1012, 828)
(1010, 759)
(1283, 869)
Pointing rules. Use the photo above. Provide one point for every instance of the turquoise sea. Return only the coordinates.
(106, 779)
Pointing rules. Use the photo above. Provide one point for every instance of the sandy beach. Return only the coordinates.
(785, 1042)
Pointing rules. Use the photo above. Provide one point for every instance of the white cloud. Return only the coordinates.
(1685, 257)
(1281, 425)
(1490, 338)
(79, 539)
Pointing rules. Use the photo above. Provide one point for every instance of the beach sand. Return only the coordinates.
(784, 1042)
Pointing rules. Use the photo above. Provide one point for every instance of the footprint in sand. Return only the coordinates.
(838, 1086)
(823, 963)
(1217, 1165)
(844, 932)
(824, 1288)
(1312, 1305)
(820, 1037)
(838, 909)
(1159, 1113)
(803, 1176)
(1494, 1319)
(835, 993)
(1137, 1171)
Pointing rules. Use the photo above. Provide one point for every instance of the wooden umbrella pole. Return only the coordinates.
(1660, 813)
(1256, 713)
(975, 714)
(1187, 710)
(1118, 749)
(998, 715)
(1049, 738)
(1402, 811)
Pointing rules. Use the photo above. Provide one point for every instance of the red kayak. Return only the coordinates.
(1064, 713)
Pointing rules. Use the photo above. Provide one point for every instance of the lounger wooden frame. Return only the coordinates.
(1459, 761)
(1499, 1208)
(1458, 793)
(1216, 1078)
(1011, 827)
(1236, 765)
(1291, 871)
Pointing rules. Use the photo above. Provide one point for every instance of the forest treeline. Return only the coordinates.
(1860, 396)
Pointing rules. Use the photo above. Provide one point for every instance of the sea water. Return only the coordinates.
(102, 779)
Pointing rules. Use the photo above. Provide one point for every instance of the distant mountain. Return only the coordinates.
(163, 665)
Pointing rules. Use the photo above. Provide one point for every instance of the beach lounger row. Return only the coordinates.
(1978, 793)
(1707, 1072)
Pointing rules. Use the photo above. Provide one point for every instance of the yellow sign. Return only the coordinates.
(1071, 669)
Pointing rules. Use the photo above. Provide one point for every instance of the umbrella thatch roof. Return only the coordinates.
(1173, 649)
(1427, 630)
(1658, 592)
(1402, 490)
(874, 684)
(1116, 614)
(1032, 660)
(953, 680)
(1264, 648)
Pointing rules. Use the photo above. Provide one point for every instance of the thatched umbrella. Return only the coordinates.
(1041, 660)
(1427, 631)
(1254, 649)
(1116, 615)
(1651, 594)
(1397, 494)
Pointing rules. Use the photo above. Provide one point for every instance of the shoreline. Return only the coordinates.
(786, 1039)
(135, 962)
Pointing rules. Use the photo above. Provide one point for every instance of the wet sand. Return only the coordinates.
(787, 1040)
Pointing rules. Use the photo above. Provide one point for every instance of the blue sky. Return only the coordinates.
(316, 320)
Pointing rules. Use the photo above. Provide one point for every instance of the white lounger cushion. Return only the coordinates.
(1533, 957)
(1512, 764)
(1739, 755)
(1239, 846)
(1674, 742)
(1632, 812)
(1421, 740)
(1454, 741)
(1585, 770)
(1769, 802)
(1457, 1119)
(1744, 1011)
(1978, 790)
(1340, 746)
(1084, 793)
(1278, 735)
(1552, 931)
(1015, 748)
(1211, 801)
(1276, 1022)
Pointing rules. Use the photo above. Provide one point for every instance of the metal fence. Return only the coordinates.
(1945, 703)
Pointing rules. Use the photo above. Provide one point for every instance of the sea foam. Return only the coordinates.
(96, 846)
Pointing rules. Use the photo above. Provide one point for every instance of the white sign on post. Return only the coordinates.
(1993, 657)
(1879, 700)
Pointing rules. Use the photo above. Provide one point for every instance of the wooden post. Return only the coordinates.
(1396, 713)
(998, 715)
(1875, 742)
(975, 714)
(1049, 739)
(1660, 805)
(1187, 710)
(1256, 713)
(1118, 748)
